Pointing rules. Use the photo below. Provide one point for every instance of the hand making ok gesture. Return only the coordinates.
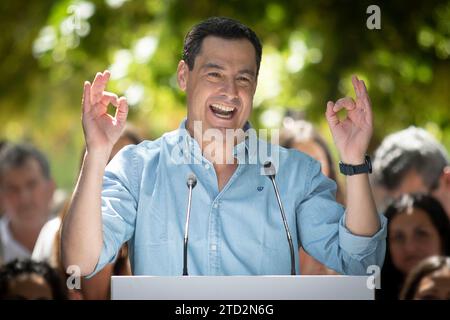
(101, 130)
(352, 134)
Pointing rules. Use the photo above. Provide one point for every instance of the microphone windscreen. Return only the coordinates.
(269, 169)
(191, 180)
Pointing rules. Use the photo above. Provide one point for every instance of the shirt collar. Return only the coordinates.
(244, 152)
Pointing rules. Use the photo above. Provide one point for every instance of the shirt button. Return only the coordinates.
(207, 166)
(215, 205)
(213, 247)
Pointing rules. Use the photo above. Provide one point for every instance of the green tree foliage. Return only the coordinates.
(48, 48)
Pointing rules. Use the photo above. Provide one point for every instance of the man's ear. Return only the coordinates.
(445, 178)
(444, 184)
(51, 187)
(256, 85)
(182, 74)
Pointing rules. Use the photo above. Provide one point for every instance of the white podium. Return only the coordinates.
(242, 288)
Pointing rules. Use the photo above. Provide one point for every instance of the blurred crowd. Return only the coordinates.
(410, 183)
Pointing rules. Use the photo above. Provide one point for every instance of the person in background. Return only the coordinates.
(429, 280)
(30, 280)
(3, 143)
(301, 135)
(26, 191)
(411, 161)
(48, 243)
(417, 229)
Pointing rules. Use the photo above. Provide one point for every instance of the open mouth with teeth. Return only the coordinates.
(222, 111)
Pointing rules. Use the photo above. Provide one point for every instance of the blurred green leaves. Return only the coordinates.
(311, 48)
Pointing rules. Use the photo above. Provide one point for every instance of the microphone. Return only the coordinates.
(270, 171)
(191, 183)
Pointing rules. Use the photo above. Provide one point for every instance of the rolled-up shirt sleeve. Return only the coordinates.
(119, 206)
(323, 234)
(360, 247)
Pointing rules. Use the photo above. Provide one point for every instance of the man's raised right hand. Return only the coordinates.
(101, 130)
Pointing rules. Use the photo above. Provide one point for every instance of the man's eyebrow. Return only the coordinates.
(211, 65)
(248, 71)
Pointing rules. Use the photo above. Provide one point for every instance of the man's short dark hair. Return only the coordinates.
(16, 155)
(220, 27)
(406, 150)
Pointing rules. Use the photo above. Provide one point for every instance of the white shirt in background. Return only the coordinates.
(10, 248)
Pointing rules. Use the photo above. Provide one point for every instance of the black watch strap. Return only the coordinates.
(350, 170)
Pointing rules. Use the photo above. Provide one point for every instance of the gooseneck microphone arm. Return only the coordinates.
(269, 171)
(191, 183)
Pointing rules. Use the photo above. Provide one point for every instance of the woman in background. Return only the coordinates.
(301, 135)
(418, 228)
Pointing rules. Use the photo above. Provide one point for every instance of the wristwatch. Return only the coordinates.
(349, 170)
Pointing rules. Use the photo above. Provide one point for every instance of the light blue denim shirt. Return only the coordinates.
(235, 231)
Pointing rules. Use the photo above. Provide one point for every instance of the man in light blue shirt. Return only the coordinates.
(235, 226)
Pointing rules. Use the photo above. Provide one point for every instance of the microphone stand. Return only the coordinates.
(191, 183)
(270, 172)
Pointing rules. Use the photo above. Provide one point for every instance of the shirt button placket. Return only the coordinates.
(213, 252)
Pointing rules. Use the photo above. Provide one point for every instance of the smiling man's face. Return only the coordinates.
(221, 86)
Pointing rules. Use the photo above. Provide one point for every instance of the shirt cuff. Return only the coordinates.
(361, 245)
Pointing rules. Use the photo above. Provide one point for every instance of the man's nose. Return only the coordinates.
(24, 195)
(230, 89)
